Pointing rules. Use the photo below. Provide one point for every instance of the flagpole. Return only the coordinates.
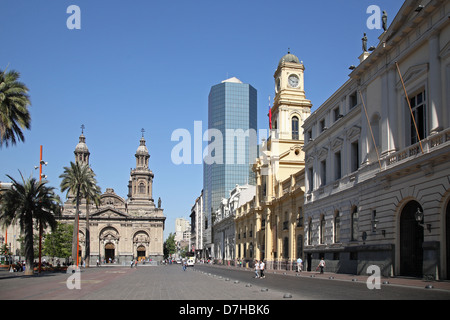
(409, 105)
(370, 127)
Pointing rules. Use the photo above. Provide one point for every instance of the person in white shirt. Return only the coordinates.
(256, 269)
(299, 264)
(321, 265)
(261, 269)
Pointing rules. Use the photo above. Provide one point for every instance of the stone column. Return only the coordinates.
(434, 87)
(257, 236)
(268, 244)
(365, 132)
(393, 112)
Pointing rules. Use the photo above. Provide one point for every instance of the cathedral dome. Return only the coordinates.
(81, 146)
(289, 57)
(142, 149)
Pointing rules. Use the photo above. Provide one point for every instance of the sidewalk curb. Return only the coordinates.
(384, 281)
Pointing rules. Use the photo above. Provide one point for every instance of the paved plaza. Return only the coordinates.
(204, 282)
(125, 283)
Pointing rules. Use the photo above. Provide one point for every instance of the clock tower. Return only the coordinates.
(290, 107)
(283, 150)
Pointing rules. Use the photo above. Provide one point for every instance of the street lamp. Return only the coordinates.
(419, 216)
(41, 175)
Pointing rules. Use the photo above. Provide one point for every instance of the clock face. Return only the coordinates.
(293, 81)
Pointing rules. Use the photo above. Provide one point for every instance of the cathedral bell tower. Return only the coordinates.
(81, 150)
(141, 180)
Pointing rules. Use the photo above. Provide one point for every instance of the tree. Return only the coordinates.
(14, 103)
(169, 245)
(78, 180)
(25, 203)
(92, 194)
(58, 243)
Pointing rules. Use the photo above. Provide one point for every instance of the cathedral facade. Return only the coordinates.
(120, 230)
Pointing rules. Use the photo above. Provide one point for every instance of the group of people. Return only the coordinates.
(259, 269)
(321, 265)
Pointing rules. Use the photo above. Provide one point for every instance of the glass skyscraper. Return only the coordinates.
(232, 110)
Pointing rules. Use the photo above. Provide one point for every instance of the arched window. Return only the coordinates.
(322, 230)
(286, 248)
(141, 187)
(337, 227)
(299, 246)
(295, 135)
(309, 235)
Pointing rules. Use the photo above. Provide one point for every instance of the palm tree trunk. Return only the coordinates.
(29, 250)
(88, 236)
(75, 228)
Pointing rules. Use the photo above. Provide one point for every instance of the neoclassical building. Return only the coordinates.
(121, 229)
(377, 155)
(225, 225)
(276, 215)
(197, 227)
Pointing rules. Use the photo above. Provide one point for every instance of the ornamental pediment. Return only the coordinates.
(353, 132)
(309, 159)
(109, 213)
(336, 143)
(413, 73)
(322, 152)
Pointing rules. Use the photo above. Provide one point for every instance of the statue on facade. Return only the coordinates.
(384, 20)
(364, 43)
(159, 203)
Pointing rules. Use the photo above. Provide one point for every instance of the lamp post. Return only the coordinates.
(419, 218)
(41, 162)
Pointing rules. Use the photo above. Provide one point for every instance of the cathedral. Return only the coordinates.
(121, 229)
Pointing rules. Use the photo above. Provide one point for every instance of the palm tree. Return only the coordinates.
(25, 203)
(93, 194)
(78, 180)
(14, 102)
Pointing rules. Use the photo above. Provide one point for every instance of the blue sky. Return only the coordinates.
(150, 64)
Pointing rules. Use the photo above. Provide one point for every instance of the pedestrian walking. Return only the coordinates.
(132, 263)
(256, 269)
(321, 265)
(261, 269)
(299, 264)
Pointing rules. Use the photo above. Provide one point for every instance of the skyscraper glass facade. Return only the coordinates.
(232, 110)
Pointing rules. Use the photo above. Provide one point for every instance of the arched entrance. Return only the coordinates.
(411, 240)
(141, 241)
(110, 250)
(141, 253)
(109, 242)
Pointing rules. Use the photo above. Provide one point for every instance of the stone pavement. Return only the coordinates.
(125, 283)
(164, 283)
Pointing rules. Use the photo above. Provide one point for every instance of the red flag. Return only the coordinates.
(270, 115)
(270, 118)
